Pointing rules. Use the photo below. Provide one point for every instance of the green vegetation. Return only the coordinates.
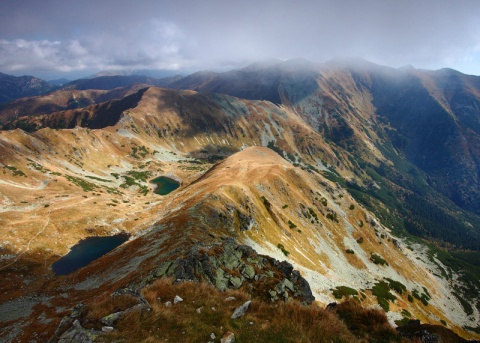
(97, 178)
(140, 175)
(142, 151)
(130, 181)
(291, 225)
(382, 291)
(360, 240)
(467, 265)
(284, 206)
(324, 201)
(423, 297)
(37, 166)
(265, 202)
(376, 259)
(312, 214)
(396, 286)
(352, 207)
(344, 291)
(282, 248)
(271, 145)
(333, 217)
(15, 171)
(350, 251)
(333, 176)
(85, 185)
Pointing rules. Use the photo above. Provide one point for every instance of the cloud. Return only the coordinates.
(189, 34)
(155, 44)
(20, 54)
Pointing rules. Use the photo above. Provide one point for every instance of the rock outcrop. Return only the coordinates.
(227, 265)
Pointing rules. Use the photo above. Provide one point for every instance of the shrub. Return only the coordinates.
(376, 259)
(360, 240)
(382, 291)
(265, 202)
(344, 291)
(282, 248)
(291, 225)
(350, 251)
(352, 207)
(333, 217)
(396, 286)
(312, 213)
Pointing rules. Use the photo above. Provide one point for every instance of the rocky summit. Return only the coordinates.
(301, 185)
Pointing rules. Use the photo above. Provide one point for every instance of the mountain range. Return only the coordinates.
(363, 177)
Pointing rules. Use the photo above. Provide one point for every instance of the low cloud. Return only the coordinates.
(186, 34)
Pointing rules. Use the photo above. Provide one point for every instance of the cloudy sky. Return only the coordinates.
(46, 38)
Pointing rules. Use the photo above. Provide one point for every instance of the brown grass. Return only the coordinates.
(263, 322)
(370, 324)
(108, 304)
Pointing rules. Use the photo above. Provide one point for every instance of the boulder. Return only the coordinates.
(110, 319)
(229, 337)
(177, 299)
(78, 334)
(241, 310)
(248, 271)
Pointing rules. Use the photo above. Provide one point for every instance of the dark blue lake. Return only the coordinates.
(165, 185)
(86, 251)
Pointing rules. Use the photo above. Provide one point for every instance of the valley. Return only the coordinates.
(302, 163)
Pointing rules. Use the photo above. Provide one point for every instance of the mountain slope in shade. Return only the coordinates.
(378, 117)
(15, 87)
(62, 100)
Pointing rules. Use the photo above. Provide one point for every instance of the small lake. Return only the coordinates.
(86, 251)
(165, 185)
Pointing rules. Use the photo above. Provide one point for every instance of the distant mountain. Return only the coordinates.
(59, 82)
(112, 82)
(15, 87)
(154, 73)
